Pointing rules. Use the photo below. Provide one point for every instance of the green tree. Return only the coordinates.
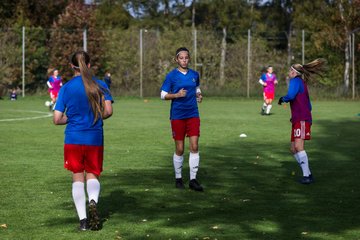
(67, 37)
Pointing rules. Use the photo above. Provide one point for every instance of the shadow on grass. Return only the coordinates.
(250, 192)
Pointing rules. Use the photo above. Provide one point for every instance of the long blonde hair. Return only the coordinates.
(316, 67)
(80, 61)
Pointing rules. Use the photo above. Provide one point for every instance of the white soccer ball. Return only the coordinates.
(243, 135)
(47, 103)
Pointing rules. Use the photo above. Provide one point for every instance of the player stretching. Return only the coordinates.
(181, 86)
(54, 83)
(301, 118)
(86, 102)
(268, 80)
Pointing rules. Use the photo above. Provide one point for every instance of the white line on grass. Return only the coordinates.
(27, 118)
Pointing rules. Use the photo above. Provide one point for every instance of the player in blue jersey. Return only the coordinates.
(83, 103)
(182, 87)
(301, 117)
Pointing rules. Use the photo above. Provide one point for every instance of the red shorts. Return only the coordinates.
(301, 130)
(189, 127)
(269, 95)
(54, 94)
(79, 158)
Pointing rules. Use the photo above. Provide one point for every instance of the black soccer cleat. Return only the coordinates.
(94, 219)
(307, 180)
(179, 183)
(84, 225)
(262, 111)
(195, 185)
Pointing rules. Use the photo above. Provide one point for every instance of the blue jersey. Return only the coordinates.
(184, 107)
(80, 128)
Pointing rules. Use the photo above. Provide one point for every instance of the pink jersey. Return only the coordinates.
(55, 83)
(269, 79)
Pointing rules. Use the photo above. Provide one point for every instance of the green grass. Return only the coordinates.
(250, 189)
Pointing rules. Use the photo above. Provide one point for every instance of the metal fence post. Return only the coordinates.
(141, 63)
(303, 47)
(248, 60)
(23, 61)
(353, 64)
(85, 40)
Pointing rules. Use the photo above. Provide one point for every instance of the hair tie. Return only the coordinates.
(296, 70)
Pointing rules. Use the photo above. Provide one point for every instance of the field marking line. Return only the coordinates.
(27, 118)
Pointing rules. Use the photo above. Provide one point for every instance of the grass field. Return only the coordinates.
(251, 188)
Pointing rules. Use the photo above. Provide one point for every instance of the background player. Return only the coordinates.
(301, 118)
(87, 102)
(181, 86)
(54, 83)
(268, 80)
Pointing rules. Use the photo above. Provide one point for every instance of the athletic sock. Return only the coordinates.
(304, 163)
(268, 108)
(93, 189)
(194, 159)
(78, 193)
(178, 162)
(264, 106)
(296, 156)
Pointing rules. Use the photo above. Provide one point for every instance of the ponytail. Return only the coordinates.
(316, 67)
(80, 61)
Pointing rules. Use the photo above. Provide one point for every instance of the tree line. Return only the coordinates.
(54, 29)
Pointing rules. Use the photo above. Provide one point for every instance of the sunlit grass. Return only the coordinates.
(251, 188)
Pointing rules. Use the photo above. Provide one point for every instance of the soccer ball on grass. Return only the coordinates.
(47, 103)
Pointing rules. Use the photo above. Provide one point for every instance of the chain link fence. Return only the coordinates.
(139, 59)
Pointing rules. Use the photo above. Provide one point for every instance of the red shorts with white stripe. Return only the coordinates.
(79, 158)
(301, 130)
(189, 127)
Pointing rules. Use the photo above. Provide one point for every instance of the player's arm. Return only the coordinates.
(198, 95)
(59, 118)
(294, 88)
(170, 96)
(108, 109)
(262, 80)
(49, 84)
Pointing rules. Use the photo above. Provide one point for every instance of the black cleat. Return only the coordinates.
(179, 183)
(307, 180)
(94, 219)
(262, 111)
(195, 185)
(84, 225)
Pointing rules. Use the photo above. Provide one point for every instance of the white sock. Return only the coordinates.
(268, 108)
(264, 106)
(194, 159)
(296, 156)
(93, 189)
(178, 162)
(78, 193)
(304, 163)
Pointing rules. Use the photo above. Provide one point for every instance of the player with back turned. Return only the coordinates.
(301, 118)
(83, 103)
(182, 87)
